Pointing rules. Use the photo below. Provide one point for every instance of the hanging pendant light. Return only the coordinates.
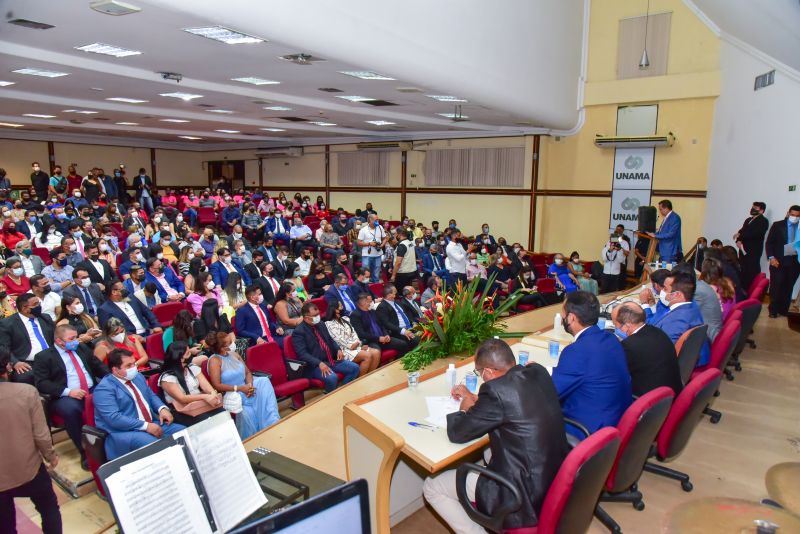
(644, 63)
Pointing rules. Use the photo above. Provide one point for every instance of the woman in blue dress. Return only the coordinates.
(564, 279)
(227, 372)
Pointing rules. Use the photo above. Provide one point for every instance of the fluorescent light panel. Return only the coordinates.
(272, 129)
(41, 72)
(108, 50)
(223, 111)
(224, 35)
(365, 75)
(447, 98)
(173, 120)
(255, 81)
(183, 96)
(322, 123)
(11, 124)
(127, 123)
(127, 100)
(38, 116)
(356, 98)
(380, 123)
(81, 111)
(190, 137)
(228, 131)
(5, 84)
(277, 108)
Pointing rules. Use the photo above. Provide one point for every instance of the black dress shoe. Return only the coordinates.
(84, 464)
(773, 315)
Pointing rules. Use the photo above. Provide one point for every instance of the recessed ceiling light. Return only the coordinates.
(224, 35)
(108, 50)
(97, 89)
(365, 75)
(356, 98)
(380, 123)
(272, 129)
(11, 124)
(127, 123)
(321, 123)
(190, 137)
(41, 72)
(228, 131)
(127, 100)
(81, 111)
(173, 120)
(447, 98)
(5, 84)
(38, 116)
(183, 96)
(277, 108)
(226, 111)
(453, 116)
(255, 81)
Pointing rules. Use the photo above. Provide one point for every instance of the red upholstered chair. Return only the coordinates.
(290, 354)
(756, 280)
(387, 356)
(94, 441)
(152, 383)
(760, 289)
(204, 369)
(721, 350)
(688, 348)
(44, 254)
(638, 429)
(685, 414)
(571, 498)
(751, 309)
(377, 288)
(322, 304)
(513, 286)
(546, 285)
(154, 346)
(206, 216)
(267, 358)
(166, 312)
(540, 269)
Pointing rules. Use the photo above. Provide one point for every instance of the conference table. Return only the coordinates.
(361, 430)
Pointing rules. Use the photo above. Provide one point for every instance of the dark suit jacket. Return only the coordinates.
(279, 271)
(22, 227)
(95, 277)
(307, 346)
(247, 323)
(266, 289)
(14, 335)
(252, 271)
(220, 275)
(428, 266)
(678, 320)
(752, 235)
(361, 324)
(109, 309)
(387, 318)
(97, 296)
(652, 361)
(50, 374)
(521, 412)
(356, 288)
(338, 268)
(776, 239)
(411, 312)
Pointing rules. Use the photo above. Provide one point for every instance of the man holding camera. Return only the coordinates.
(372, 238)
(613, 257)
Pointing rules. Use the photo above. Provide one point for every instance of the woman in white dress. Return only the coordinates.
(344, 334)
(48, 238)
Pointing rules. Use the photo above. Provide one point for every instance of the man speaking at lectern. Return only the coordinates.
(518, 407)
(668, 233)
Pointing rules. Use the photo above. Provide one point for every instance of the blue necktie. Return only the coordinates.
(88, 298)
(435, 263)
(38, 334)
(792, 233)
(402, 314)
(348, 304)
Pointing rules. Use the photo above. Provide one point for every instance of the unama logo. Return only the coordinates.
(633, 166)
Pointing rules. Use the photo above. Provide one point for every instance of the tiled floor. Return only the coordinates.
(760, 427)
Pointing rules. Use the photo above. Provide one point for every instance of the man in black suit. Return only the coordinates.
(253, 269)
(99, 270)
(136, 318)
(409, 304)
(89, 293)
(783, 265)
(750, 241)
(66, 373)
(394, 320)
(31, 225)
(652, 361)
(281, 263)
(268, 283)
(368, 328)
(26, 333)
(519, 408)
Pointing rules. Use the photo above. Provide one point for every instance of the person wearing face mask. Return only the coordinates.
(65, 373)
(73, 314)
(585, 280)
(339, 292)
(100, 272)
(164, 244)
(89, 293)
(652, 360)
(302, 237)
(92, 185)
(189, 394)
(565, 281)
(782, 245)
(253, 320)
(26, 333)
(136, 318)
(50, 301)
(231, 216)
(224, 266)
(40, 181)
(57, 184)
(613, 258)
(143, 185)
(31, 225)
(127, 408)
(15, 280)
(115, 331)
(484, 238)
(7, 303)
(433, 263)
(31, 263)
(668, 233)
(654, 299)
(10, 235)
(169, 286)
(240, 253)
(277, 226)
(49, 236)
(253, 224)
(76, 200)
(526, 283)
(457, 258)
(591, 377)
(404, 269)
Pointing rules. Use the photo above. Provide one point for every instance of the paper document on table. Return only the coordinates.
(232, 488)
(439, 407)
(157, 494)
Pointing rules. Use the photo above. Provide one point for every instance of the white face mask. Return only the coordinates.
(118, 338)
(77, 309)
(315, 319)
(662, 296)
(130, 373)
(19, 271)
(232, 348)
(794, 220)
(77, 194)
(160, 256)
(86, 282)
(473, 262)
(211, 285)
(559, 261)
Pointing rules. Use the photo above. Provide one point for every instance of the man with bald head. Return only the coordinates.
(651, 357)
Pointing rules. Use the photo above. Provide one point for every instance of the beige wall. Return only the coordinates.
(181, 168)
(572, 223)
(307, 170)
(386, 204)
(103, 156)
(16, 158)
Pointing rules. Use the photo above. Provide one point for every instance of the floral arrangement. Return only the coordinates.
(457, 323)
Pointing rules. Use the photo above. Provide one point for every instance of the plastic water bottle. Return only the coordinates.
(557, 325)
(523, 358)
(450, 377)
(472, 383)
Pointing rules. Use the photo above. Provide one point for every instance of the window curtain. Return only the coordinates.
(475, 167)
(363, 168)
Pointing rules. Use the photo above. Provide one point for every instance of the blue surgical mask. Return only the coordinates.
(620, 334)
(72, 345)
(131, 373)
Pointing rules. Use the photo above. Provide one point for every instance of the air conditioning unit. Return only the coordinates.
(288, 152)
(386, 146)
(114, 7)
(635, 141)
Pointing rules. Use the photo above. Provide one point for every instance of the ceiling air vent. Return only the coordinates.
(330, 90)
(207, 105)
(293, 119)
(301, 59)
(409, 90)
(379, 103)
(114, 7)
(765, 80)
(32, 24)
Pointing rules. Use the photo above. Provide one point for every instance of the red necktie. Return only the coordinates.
(275, 286)
(264, 323)
(142, 406)
(323, 345)
(84, 385)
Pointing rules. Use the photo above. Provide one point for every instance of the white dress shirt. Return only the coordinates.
(73, 382)
(139, 413)
(99, 267)
(36, 347)
(27, 265)
(50, 302)
(128, 310)
(457, 256)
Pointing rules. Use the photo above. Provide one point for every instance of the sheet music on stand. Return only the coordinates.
(197, 481)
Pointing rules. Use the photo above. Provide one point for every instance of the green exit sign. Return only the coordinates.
(792, 188)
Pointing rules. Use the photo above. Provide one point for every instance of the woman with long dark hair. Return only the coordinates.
(345, 336)
(287, 307)
(191, 397)
(73, 314)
